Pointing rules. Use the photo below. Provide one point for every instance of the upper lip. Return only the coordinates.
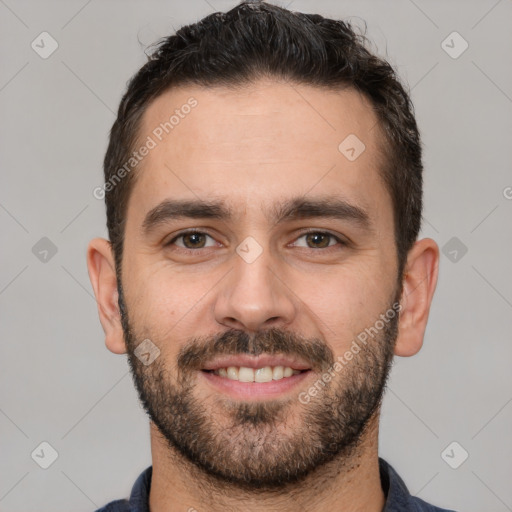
(256, 362)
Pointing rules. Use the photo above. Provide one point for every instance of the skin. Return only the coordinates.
(253, 148)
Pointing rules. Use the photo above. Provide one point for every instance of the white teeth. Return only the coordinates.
(245, 374)
(265, 374)
(232, 373)
(278, 372)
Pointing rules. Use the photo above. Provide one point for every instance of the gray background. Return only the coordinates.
(58, 382)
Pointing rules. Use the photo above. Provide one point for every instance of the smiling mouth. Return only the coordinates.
(259, 375)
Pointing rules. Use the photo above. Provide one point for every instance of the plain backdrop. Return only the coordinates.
(58, 382)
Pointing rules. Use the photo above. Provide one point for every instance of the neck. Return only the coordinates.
(349, 485)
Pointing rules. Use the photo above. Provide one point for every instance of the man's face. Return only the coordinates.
(256, 283)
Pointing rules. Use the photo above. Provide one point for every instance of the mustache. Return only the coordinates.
(196, 353)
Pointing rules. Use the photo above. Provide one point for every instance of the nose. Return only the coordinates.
(253, 297)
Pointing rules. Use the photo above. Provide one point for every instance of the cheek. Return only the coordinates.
(162, 303)
(154, 289)
(170, 308)
(346, 302)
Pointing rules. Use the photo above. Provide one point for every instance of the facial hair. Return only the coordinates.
(250, 444)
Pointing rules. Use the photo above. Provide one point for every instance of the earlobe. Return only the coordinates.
(419, 284)
(101, 267)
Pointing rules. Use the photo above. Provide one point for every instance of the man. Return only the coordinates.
(263, 185)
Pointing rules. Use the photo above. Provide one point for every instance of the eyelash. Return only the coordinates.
(304, 233)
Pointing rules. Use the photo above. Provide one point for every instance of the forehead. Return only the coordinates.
(259, 143)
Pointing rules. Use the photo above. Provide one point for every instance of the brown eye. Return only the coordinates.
(191, 240)
(320, 240)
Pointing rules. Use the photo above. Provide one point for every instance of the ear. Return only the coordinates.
(419, 284)
(102, 273)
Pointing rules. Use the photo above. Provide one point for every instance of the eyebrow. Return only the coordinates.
(292, 209)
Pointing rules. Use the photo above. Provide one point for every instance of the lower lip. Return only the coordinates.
(255, 390)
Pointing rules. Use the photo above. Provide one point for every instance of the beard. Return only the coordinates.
(267, 444)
